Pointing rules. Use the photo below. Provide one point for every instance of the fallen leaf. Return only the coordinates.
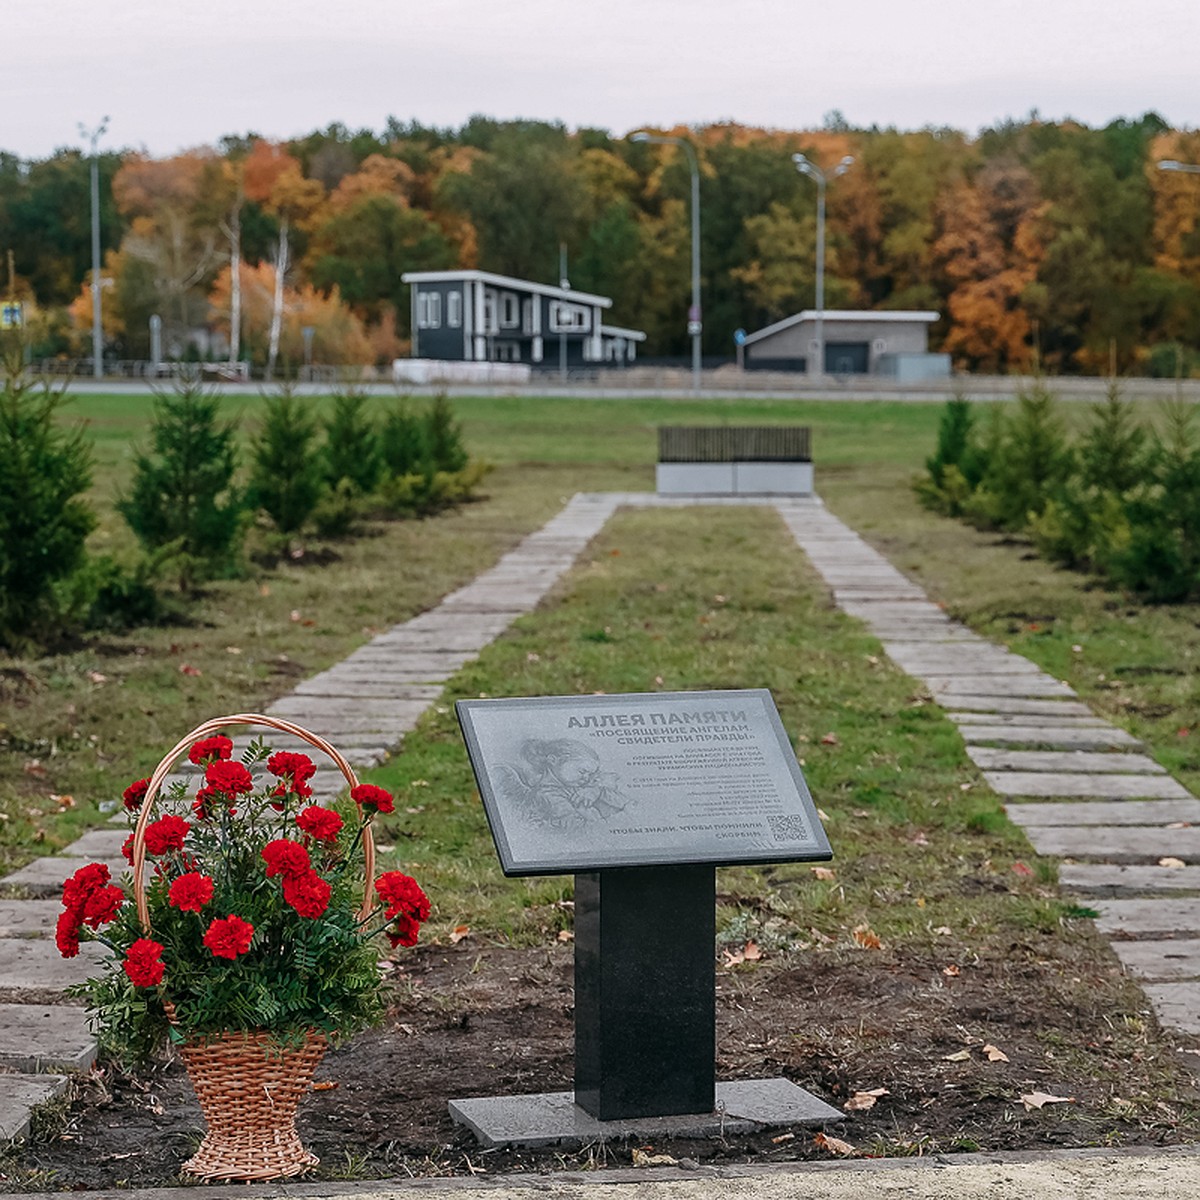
(565, 935)
(719, 599)
(33, 766)
(830, 739)
(957, 1056)
(834, 1145)
(97, 678)
(920, 902)
(861, 1101)
(867, 938)
(733, 957)
(1173, 863)
(533, 657)
(233, 649)
(264, 589)
(823, 872)
(407, 1030)
(873, 659)
(294, 615)
(188, 669)
(640, 1157)
(920, 840)
(994, 1053)
(658, 679)
(751, 952)
(951, 971)
(943, 930)
(1033, 1100)
(458, 933)
(822, 814)
(1019, 868)
(327, 1085)
(63, 802)
(783, 1137)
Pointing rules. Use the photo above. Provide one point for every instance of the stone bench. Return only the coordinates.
(734, 460)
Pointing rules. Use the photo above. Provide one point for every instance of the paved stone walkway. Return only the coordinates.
(1127, 831)
(1031, 738)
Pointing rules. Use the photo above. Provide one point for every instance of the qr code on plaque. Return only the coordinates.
(788, 827)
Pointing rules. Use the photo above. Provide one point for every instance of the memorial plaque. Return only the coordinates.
(589, 783)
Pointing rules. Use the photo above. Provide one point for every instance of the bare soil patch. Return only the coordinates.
(480, 1020)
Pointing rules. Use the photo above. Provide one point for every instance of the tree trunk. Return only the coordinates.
(281, 265)
(234, 233)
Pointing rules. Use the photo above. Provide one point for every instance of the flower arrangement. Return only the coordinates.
(259, 911)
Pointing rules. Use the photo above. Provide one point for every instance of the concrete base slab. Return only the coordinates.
(1124, 844)
(554, 1119)
(1106, 812)
(1107, 787)
(34, 1037)
(1097, 879)
(1174, 958)
(19, 1095)
(1147, 918)
(1177, 1006)
(989, 758)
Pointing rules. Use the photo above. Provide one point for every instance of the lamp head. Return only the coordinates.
(1169, 164)
(640, 136)
(798, 159)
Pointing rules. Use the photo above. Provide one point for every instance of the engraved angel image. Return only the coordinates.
(559, 783)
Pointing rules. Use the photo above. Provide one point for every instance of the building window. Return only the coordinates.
(429, 310)
(454, 310)
(507, 352)
(489, 311)
(567, 318)
(527, 317)
(510, 309)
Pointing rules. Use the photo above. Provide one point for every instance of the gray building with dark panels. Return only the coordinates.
(477, 316)
(857, 342)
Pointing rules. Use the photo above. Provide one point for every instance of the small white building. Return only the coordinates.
(857, 342)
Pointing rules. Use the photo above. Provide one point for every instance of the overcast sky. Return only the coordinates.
(177, 73)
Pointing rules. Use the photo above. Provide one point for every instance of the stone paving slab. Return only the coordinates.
(311, 710)
(1107, 786)
(100, 845)
(1106, 812)
(19, 1095)
(1091, 761)
(1081, 738)
(36, 1037)
(1020, 706)
(28, 918)
(1113, 879)
(333, 685)
(1026, 720)
(958, 660)
(35, 965)
(1034, 686)
(1177, 1006)
(1143, 918)
(1116, 844)
(1175, 958)
(45, 876)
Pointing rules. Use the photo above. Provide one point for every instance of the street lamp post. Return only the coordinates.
(97, 335)
(695, 323)
(806, 167)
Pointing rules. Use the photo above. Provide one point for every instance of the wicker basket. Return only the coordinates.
(247, 1083)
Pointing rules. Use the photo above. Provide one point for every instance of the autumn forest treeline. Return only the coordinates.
(1032, 238)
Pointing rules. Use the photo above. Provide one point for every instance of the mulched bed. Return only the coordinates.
(483, 1020)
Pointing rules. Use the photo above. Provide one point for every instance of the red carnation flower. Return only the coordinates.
(66, 933)
(205, 803)
(167, 833)
(135, 793)
(103, 905)
(191, 892)
(229, 778)
(295, 771)
(373, 798)
(229, 937)
(403, 931)
(402, 894)
(210, 749)
(285, 857)
(127, 849)
(308, 894)
(143, 963)
(320, 823)
(82, 884)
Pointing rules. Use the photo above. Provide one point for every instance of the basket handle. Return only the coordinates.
(218, 723)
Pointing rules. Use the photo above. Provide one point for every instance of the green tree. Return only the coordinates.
(183, 499)
(44, 521)
(283, 481)
(351, 445)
